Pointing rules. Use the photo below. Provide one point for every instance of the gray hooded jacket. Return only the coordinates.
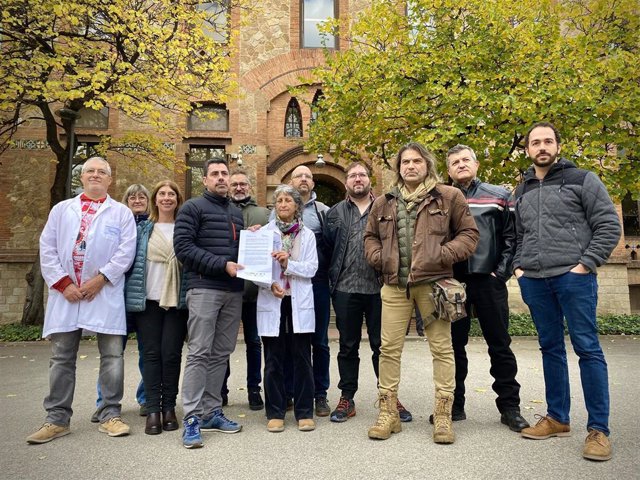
(565, 219)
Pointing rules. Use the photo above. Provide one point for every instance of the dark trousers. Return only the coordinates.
(351, 309)
(489, 296)
(298, 346)
(320, 342)
(253, 349)
(162, 333)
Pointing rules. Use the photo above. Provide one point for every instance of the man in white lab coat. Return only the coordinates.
(86, 247)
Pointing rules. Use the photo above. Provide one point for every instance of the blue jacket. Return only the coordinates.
(135, 287)
(206, 237)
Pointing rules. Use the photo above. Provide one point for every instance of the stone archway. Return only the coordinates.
(329, 179)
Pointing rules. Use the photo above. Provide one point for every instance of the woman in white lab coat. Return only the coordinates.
(285, 314)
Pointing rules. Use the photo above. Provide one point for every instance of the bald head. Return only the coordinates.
(302, 181)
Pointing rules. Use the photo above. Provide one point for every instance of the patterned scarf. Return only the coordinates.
(419, 194)
(289, 233)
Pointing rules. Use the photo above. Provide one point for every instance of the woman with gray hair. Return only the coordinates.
(136, 197)
(285, 313)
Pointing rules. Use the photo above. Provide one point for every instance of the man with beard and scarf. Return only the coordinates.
(414, 235)
(567, 226)
(240, 189)
(355, 289)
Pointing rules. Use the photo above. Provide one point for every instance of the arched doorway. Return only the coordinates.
(328, 190)
(328, 179)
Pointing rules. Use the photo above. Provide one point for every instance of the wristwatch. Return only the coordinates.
(106, 279)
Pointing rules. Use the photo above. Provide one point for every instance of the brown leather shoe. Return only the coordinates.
(597, 446)
(154, 424)
(169, 420)
(275, 425)
(546, 427)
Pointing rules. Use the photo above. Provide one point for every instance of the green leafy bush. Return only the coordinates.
(521, 325)
(16, 332)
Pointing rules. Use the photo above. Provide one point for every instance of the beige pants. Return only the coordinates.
(396, 314)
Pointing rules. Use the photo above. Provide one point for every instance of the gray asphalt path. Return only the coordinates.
(484, 449)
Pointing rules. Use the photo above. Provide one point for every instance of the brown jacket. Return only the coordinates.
(445, 233)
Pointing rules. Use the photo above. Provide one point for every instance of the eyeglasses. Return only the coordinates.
(96, 171)
(351, 176)
(304, 175)
(139, 196)
(239, 184)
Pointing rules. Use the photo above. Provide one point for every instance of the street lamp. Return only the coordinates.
(71, 116)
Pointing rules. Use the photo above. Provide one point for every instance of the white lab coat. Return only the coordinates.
(300, 272)
(110, 249)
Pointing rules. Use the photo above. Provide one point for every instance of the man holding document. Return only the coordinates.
(205, 240)
(285, 316)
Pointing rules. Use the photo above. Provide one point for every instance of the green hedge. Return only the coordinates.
(520, 325)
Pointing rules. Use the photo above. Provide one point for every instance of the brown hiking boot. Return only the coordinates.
(388, 419)
(597, 446)
(442, 426)
(546, 427)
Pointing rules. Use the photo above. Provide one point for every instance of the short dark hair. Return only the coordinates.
(213, 161)
(544, 125)
(460, 148)
(429, 157)
(357, 164)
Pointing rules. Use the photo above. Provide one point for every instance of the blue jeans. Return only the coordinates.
(572, 297)
(140, 396)
(62, 376)
(320, 343)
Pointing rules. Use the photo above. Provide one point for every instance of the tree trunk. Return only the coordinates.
(33, 311)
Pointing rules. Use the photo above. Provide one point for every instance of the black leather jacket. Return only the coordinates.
(335, 238)
(492, 209)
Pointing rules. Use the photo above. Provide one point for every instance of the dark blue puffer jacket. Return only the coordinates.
(205, 238)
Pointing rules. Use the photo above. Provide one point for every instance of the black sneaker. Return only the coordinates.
(456, 416)
(322, 407)
(405, 415)
(95, 418)
(514, 420)
(346, 409)
(255, 400)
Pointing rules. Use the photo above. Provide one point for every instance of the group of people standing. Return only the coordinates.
(375, 258)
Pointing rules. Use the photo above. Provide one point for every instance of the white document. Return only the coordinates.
(255, 255)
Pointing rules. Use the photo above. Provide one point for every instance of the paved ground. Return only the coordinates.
(484, 448)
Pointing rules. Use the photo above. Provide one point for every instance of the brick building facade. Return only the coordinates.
(276, 49)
